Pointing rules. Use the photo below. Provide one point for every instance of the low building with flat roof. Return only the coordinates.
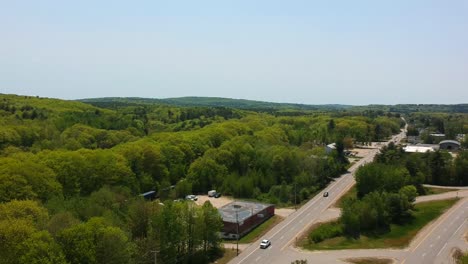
(240, 217)
(418, 149)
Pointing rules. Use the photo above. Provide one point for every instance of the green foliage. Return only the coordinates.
(380, 177)
(205, 174)
(399, 235)
(26, 210)
(438, 167)
(326, 231)
(385, 199)
(88, 164)
(95, 242)
(41, 248)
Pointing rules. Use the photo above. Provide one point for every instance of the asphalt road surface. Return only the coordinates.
(437, 241)
(285, 233)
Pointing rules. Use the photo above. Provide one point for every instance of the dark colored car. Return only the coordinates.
(325, 194)
(217, 195)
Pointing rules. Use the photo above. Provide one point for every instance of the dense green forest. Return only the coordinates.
(281, 108)
(217, 102)
(71, 173)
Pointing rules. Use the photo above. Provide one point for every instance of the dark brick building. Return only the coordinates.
(246, 215)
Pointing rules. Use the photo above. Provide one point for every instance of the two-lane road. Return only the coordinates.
(294, 225)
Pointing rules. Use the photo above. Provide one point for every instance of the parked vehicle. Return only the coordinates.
(211, 193)
(191, 197)
(325, 194)
(217, 195)
(265, 243)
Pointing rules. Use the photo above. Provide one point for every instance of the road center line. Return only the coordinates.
(442, 248)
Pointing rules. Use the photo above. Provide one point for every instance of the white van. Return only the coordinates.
(211, 193)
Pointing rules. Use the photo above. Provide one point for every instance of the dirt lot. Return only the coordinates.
(223, 200)
(216, 202)
(361, 152)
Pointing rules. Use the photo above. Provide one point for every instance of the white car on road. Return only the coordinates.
(265, 243)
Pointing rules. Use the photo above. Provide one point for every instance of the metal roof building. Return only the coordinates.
(247, 215)
(450, 145)
(417, 149)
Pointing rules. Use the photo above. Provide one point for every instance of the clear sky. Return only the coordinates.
(314, 52)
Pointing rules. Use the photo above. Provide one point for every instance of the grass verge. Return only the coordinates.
(351, 193)
(399, 236)
(460, 257)
(435, 190)
(228, 255)
(369, 260)
(261, 230)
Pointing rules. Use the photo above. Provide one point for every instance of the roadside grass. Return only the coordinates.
(399, 236)
(351, 193)
(261, 230)
(460, 257)
(369, 260)
(228, 255)
(435, 190)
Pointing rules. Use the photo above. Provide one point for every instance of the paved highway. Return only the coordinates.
(436, 243)
(294, 225)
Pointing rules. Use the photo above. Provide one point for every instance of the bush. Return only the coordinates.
(326, 231)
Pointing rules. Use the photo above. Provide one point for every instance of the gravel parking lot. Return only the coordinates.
(216, 202)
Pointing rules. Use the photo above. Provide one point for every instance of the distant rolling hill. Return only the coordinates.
(213, 102)
(273, 107)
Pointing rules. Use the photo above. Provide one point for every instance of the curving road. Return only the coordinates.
(285, 233)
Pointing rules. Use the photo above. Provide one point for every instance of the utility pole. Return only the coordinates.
(295, 203)
(237, 225)
(155, 257)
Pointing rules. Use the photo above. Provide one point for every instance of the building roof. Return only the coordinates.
(148, 193)
(332, 145)
(450, 141)
(418, 149)
(244, 210)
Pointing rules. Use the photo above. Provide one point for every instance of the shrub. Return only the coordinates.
(326, 231)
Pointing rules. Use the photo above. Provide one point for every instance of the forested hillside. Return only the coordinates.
(217, 102)
(71, 173)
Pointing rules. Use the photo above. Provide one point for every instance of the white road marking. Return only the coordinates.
(438, 237)
(308, 214)
(424, 254)
(442, 248)
(281, 237)
(257, 259)
(431, 245)
(458, 229)
(300, 222)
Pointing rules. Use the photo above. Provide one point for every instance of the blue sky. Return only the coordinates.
(348, 52)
